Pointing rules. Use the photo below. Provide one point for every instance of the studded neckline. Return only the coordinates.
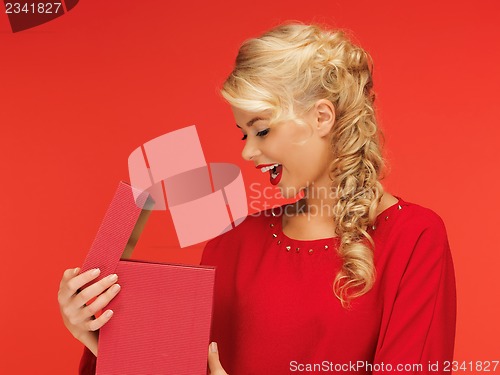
(310, 247)
(388, 213)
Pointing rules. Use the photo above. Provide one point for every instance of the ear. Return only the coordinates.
(324, 115)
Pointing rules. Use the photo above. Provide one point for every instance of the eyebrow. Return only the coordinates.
(251, 122)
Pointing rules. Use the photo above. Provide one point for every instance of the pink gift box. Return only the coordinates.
(162, 314)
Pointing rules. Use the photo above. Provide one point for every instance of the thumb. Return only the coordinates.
(213, 360)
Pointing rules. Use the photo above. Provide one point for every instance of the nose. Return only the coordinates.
(250, 151)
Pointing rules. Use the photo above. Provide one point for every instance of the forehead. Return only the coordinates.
(247, 119)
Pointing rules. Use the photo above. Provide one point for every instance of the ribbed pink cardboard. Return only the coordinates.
(162, 314)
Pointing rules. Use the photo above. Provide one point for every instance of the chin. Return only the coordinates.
(290, 192)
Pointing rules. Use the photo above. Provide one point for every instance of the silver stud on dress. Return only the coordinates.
(288, 248)
(387, 217)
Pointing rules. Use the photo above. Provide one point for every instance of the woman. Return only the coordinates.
(349, 278)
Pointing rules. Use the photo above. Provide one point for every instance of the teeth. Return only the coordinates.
(265, 169)
(274, 175)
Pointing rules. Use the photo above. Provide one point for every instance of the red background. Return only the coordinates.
(79, 93)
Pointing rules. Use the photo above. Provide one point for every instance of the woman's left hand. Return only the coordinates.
(213, 360)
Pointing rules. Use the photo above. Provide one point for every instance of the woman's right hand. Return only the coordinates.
(78, 317)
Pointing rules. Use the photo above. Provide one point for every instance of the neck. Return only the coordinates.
(311, 216)
(317, 203)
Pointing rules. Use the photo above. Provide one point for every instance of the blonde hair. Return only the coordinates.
(287, 70)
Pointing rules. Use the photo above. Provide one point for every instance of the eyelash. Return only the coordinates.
(262, 133)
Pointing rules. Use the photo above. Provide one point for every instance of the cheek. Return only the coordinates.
(312, 158)
(297, 149)
(291, 142)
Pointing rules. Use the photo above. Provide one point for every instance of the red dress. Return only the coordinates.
(275, 311)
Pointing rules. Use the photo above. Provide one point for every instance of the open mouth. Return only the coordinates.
(276, 172)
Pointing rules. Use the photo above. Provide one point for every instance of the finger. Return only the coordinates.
(70, 273)
(102, 301)
(213, 360)
(71, 286)
(86, 315)
(95, 289)
(62, 294)
(95, 324)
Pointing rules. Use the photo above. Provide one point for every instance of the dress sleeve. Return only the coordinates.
(87, 363)
(421, 329)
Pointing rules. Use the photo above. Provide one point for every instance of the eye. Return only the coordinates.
(263, 133)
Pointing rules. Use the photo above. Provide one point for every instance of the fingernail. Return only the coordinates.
(113, 277)
(96, 272)
(213, 347)
(115, 288)
(108, 314)
(76, 270)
